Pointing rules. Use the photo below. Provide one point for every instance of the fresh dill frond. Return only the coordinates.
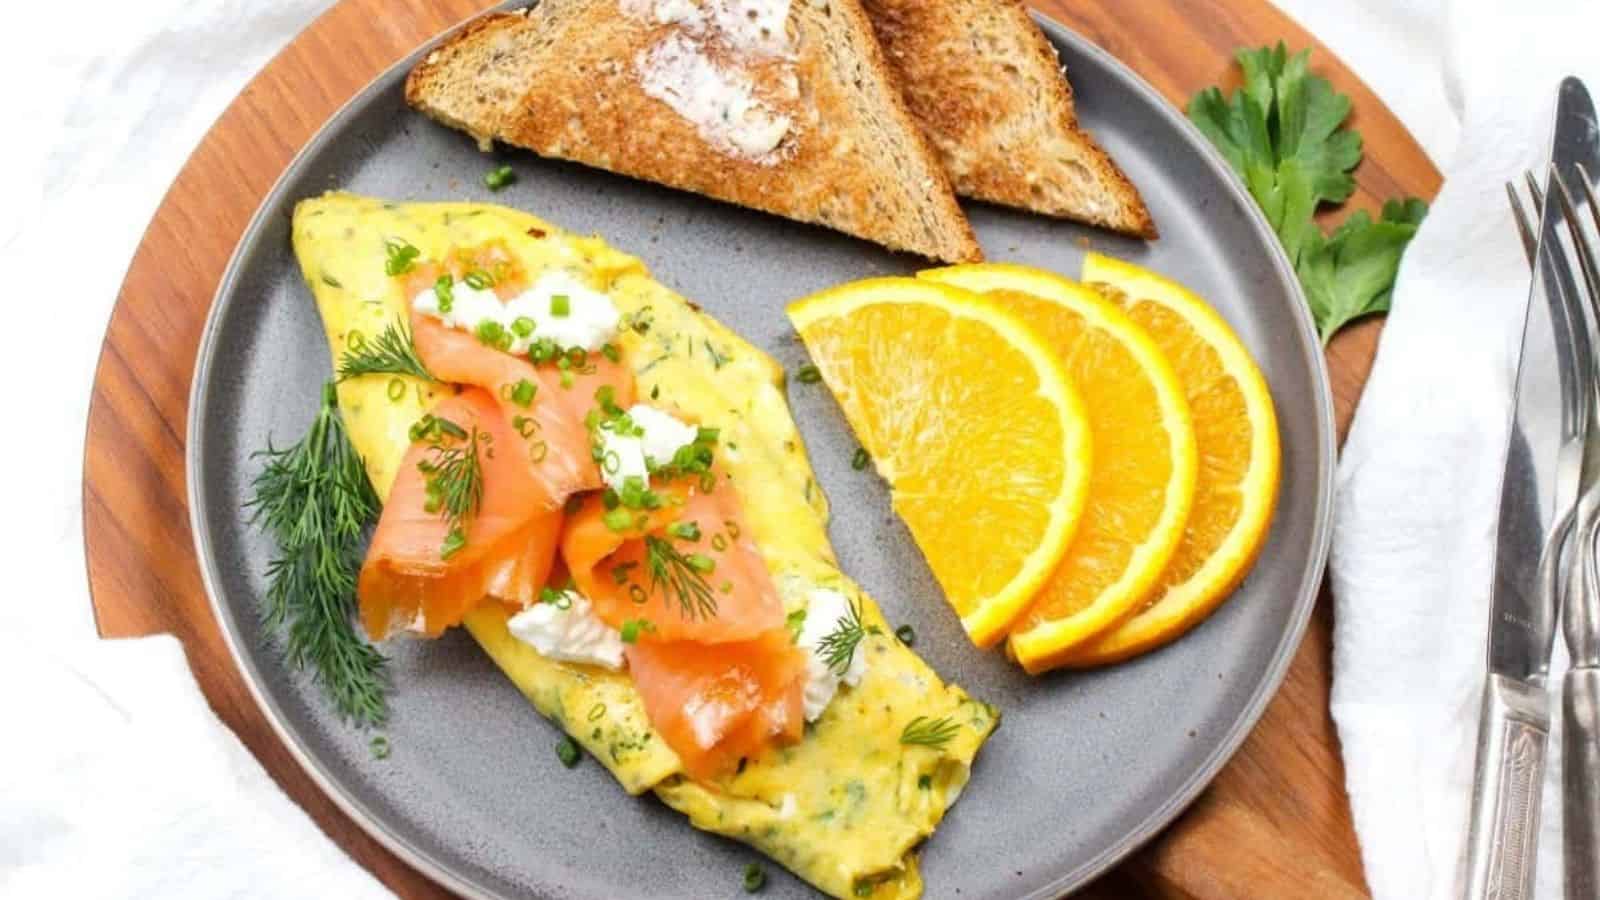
(679, 578)
(454, 484)
(392, 352)
(928, 732)
(838, 646)
(315, 501)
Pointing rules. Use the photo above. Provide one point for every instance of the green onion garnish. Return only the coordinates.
(401, 257)
(860, 460)
(522, 326)
(687, 531)
(702, 563)
(611, 352)
(907, 635)
(567, 752)
(618, 519)
(560, 305)
(444, 290)
(523, 394)
(809, 374)
(755, 878)
(499, 177)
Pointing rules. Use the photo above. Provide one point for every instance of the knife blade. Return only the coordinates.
(1538, 493)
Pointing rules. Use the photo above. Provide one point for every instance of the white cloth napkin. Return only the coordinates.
(1417, 484)
(116, 780)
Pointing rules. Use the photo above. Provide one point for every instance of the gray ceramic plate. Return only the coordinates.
(1087, 765)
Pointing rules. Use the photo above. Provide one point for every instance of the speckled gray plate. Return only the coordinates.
(1087, 765)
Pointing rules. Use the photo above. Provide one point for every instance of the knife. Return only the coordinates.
(1538, 493)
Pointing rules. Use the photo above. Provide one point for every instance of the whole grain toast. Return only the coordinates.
(621, 85)
(990, 92)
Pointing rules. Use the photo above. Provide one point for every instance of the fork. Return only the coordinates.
(1580, 598)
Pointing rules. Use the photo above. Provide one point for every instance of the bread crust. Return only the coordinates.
(988, 88)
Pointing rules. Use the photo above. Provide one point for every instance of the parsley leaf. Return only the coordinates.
(1283, 132)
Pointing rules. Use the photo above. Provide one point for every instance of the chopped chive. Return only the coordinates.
(380, 747)
(560, 305)
(907, 635)
(566, 380)
(860, 460)
(489, 332)
(611, 352)
(523, 394)
(401, 257)
(809, 374)
(597, 712)
(332, 282)
(522, 326)
(618, 519)
(499, 177)
(688, 531)
(397, 390)
(444, 291)
(478, 280)
(632, 628)
(755, 878)
(538, 450)
(796, 621)
(567, 752)
(701, 563)
(924, 781)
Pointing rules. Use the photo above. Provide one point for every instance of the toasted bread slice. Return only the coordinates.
(989, 90)
(796, 115)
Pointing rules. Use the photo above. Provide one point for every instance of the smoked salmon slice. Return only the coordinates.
(412, 579)
(688, 568)
(551, 423)
(716, 703)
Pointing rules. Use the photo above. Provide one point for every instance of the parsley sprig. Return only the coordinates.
(315, 501)
(1284, 133)
(392, 352)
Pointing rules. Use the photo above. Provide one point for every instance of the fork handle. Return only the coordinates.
(1503, 842)
(1580, 776)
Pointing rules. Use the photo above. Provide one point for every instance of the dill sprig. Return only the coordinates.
(838, 646)
(679, 577)
(454, 484)
(392, 352)
(314, 499)
(929, 732)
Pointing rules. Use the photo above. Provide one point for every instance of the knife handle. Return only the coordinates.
(1504, 839)
(1580, 776)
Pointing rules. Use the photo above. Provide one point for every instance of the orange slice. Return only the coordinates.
(1144, 458)
(972, 420)
(1237, 435)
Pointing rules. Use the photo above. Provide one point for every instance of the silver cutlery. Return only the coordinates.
(1540, 489)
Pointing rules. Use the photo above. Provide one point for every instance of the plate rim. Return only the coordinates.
(1157, 820)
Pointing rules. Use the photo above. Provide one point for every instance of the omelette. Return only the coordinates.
(605, 487)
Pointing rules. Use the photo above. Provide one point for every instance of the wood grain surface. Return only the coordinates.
(1276, 822)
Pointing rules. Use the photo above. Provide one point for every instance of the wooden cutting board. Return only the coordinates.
(1276, 822)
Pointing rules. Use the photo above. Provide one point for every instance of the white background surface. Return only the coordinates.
(114, 779)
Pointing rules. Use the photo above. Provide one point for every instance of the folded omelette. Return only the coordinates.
(846, 804)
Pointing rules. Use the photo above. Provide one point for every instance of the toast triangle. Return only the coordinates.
(796, 115)
(989, 90)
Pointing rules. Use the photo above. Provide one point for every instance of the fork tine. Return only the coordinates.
(1587, 181)
(1588, 259)
(1530, 244)
(1536, 190)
